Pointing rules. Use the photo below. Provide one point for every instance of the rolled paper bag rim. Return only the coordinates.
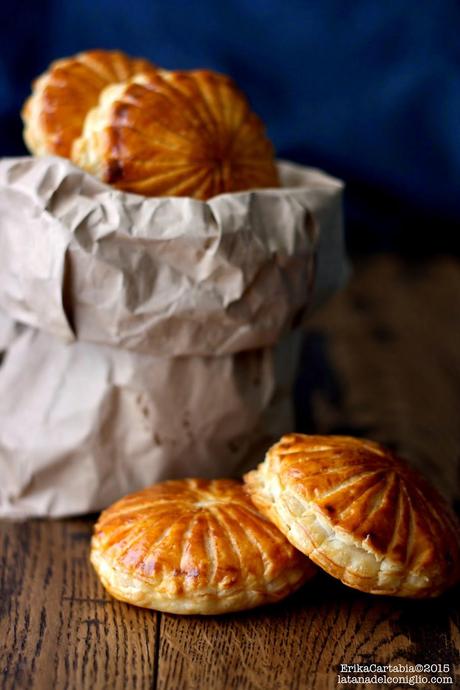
(165, 276)
(292, 176)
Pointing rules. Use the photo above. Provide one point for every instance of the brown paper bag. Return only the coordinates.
(156, 334)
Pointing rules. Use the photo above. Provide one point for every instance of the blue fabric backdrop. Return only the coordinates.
(368, 90)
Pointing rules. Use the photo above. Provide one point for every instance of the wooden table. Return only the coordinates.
(382, 359)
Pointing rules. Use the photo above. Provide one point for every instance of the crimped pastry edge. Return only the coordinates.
(86, 150)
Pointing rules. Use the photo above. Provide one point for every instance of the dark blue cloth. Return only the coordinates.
(369, 90)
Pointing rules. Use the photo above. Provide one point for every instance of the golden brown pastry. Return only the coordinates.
(359, 512)
(176, 133)
(194, 546)
(62, 97)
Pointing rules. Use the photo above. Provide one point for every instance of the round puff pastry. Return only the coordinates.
(360, 513)
(176, 134)
(55, 112)
(194, 546)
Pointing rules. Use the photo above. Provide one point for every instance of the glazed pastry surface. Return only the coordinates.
(194, 546)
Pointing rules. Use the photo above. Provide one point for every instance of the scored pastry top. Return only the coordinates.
(176, 133)
(361, 513)
(194, 546)
(62, 97)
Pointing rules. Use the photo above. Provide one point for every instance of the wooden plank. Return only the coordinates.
(58, 628)
(382, 359)
(301, 644)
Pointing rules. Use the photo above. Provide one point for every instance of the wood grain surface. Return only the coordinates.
(382, 359)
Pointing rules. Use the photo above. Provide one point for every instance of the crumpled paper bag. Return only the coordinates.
(149, 338)
(164, 276)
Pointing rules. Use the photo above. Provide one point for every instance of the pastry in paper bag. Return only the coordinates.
(156, 335)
